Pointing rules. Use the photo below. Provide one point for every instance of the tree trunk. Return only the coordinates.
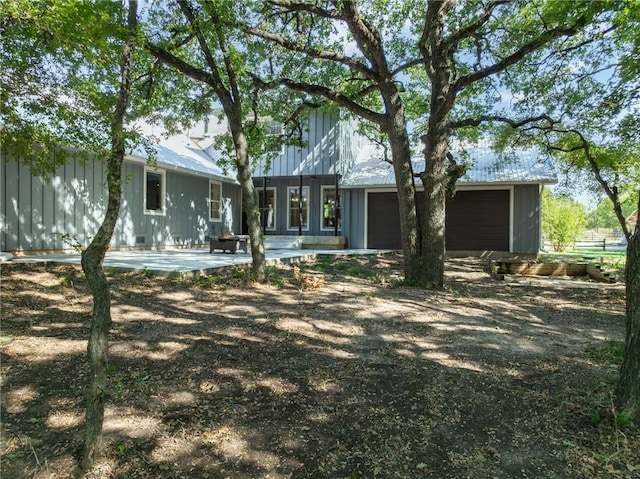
(409, 220)
(434, 180)
(628, 391)
(93, 257)
(249, 197)
(436, 141)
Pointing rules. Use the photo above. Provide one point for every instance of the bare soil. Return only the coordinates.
(333, 370)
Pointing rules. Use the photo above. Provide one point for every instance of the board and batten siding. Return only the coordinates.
(526, 218)
(34, 209)
(320, 155)
(353, 218)
(73, 201)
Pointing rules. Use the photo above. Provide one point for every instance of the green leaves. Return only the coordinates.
(60, 77)
(563, 220)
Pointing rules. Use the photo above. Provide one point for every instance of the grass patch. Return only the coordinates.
(612, 353)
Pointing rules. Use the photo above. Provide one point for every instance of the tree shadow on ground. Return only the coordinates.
(354, 379)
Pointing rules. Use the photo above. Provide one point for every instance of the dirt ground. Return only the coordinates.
(333, 370)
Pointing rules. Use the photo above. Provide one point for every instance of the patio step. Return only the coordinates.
(282, 242)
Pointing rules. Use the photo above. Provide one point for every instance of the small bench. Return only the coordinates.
(229, 243)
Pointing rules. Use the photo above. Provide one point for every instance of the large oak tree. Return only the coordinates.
(457, 50)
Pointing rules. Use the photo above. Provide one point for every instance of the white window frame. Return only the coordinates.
(272, 124)
(163, 191)
(331, 188)
(290, 190)
(275, 205)
(211, 201)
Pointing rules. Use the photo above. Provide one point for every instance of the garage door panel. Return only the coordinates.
(476, 221)
(383, 221)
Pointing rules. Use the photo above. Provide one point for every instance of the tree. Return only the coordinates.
(628, 389)
(73, 63)
(196, 42)
(362, 83)
(583, 106)
(93, 255)
(460, 47)
(563, 219)
(603, 216)
(463, 49)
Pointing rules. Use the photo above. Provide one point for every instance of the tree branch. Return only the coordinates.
(331, 95)
(304, 7)
(180, 65)
(518, 55)
(476, 121)
(312, 52)
(217, 84)
(470, 30)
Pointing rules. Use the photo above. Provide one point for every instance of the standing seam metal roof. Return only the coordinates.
(182, 152)
(485, 166)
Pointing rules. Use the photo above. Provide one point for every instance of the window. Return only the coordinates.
(269, 211)
(154, 192)
(298, 208)
(273, 129)
(215, 201)
(330, 213)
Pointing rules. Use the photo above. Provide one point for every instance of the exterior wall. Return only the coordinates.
(73, 201)
(526, 218)
(315, 203)
(331, 147)
(33, 209)
(525, 225)
(353, 218)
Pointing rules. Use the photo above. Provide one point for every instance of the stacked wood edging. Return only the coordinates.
(500, 267)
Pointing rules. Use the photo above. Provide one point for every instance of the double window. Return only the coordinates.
(331, 208)
(215, 201)
(154, 191)
(298, 206)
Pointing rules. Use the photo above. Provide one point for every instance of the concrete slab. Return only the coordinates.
(180, 262)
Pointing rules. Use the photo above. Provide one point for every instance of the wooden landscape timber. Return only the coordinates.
(499, 268)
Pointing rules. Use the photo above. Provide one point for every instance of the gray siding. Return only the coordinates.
(526, 218)
(318, 157)
(34, 209)
(73, 201)
(354, 215)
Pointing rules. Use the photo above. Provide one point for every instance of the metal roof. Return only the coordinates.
(184, 153)
(485, 166)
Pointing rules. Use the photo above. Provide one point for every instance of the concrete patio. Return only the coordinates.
(193, 261)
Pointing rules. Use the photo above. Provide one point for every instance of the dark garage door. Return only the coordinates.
(476, 221)
(383, 221)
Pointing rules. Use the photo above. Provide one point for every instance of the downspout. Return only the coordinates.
(300, 205)
(337, 207)
(264, 205)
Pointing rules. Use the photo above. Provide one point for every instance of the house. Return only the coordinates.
(348, 190)
(496, 206)
(177, 202)
(335, 191)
